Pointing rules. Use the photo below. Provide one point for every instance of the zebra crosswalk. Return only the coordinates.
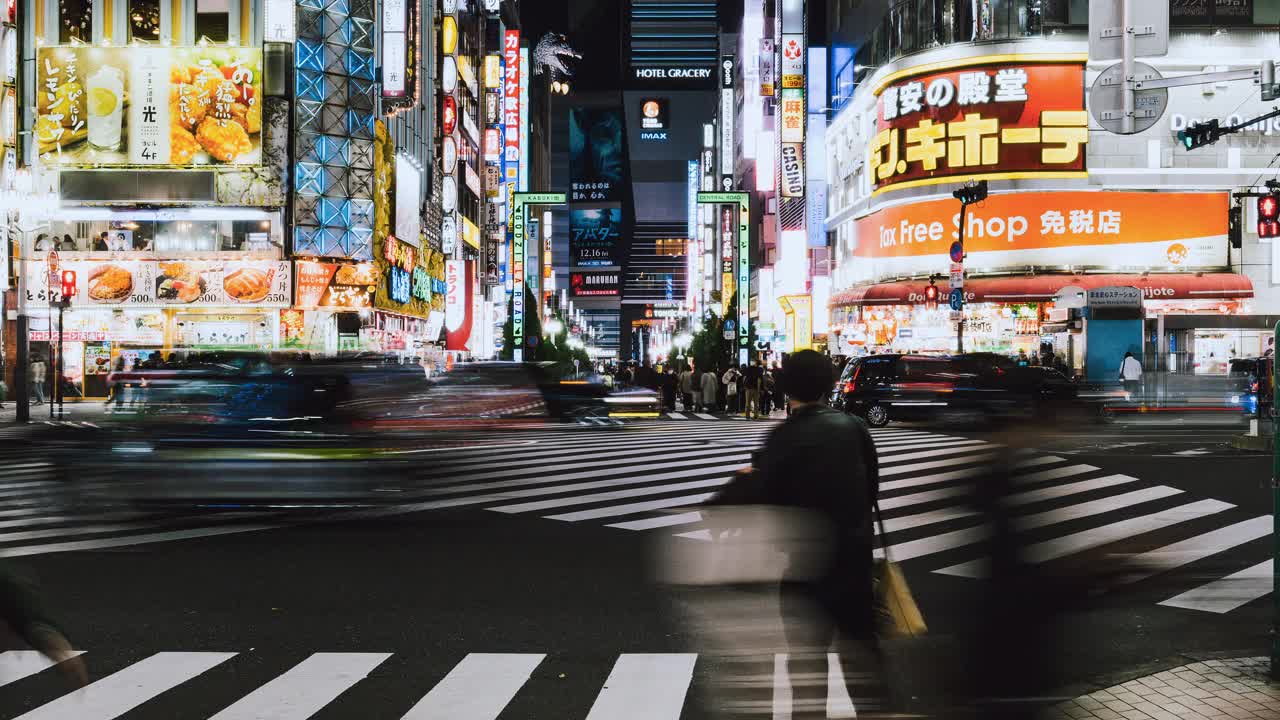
(650, 477)
(645, 481)
(479, 686)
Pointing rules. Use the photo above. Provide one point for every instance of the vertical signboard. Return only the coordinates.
(449, 126)
(692, 190)
(517, 278)
(727, 110)
(511, 108)
(395, 49)
(792, 60)
(768, 53)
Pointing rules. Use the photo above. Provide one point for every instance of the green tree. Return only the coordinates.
(532, 328)
(547, 348)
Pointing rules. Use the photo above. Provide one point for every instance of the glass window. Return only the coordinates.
(144, 20)
(75, 21)
(213, 20)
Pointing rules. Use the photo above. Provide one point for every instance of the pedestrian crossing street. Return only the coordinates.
(480, 686)
(650, 477)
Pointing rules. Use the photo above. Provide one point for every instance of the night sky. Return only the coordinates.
(593, 29)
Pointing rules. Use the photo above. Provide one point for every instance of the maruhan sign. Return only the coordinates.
(673, 73)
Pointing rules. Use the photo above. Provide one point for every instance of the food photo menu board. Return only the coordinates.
(187, 283)
(111, 106)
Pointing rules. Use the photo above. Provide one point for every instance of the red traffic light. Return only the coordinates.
(68, 284)
(1268, 208)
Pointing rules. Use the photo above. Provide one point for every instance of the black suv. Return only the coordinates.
(881, 388)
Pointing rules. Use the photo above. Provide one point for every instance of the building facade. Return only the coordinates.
(937, 96)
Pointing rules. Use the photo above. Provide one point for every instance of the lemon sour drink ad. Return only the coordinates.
(106, 103)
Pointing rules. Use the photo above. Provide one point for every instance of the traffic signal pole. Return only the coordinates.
(964, 206)
(1275, 535)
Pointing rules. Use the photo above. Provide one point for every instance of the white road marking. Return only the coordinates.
(633, 508)
(706, 416)
(645, 687)
(978, 568)
(909, 521)
(923, 497)
(676, 416)
(18, 664)
(605, 496)
(306, 688)
(931, 479)
(120, 692)
(1228, 593)
(478, 688)
(660, 521)
(1054, 474)
(1056, 491)
(1199, 547)
(1088, 539)
(891, 448)
(934, 452)
(125, 540)
(948, 462)
(709, 463)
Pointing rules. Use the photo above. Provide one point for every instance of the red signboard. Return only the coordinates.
(511, 96)
(448, 115)
(1009, 119)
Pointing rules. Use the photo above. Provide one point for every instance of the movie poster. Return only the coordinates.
(594, 236)
(595, 155)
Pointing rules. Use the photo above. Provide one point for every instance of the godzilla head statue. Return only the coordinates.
(551, 54)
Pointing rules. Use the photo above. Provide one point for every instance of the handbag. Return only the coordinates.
(896, 612)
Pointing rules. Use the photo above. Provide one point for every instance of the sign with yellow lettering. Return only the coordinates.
(1003, 120)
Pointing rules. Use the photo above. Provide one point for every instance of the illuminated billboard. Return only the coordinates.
(112, 106)
(1004, 120)
(595, 154)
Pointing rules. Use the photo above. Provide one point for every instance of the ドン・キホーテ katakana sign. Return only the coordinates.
(1002, 119)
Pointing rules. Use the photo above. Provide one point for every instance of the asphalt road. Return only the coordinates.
(520, 584)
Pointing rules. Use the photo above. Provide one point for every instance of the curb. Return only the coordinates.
(1253, 442)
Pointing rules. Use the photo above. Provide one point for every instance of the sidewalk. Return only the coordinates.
(1237, 689)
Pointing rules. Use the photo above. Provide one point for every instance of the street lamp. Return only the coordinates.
(554, 327)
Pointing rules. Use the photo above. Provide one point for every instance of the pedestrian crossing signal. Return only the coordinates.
(1269, 215)
(931, 295)
(68, 284)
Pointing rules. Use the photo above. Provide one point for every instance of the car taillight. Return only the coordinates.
(850, 386)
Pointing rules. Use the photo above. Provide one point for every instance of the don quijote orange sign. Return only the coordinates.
(1100, 229)
(1010, 120)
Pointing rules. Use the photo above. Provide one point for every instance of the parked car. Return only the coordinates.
(881, 388)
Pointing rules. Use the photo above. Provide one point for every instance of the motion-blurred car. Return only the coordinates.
(512, 391)
(1251, 384)
(881, 388)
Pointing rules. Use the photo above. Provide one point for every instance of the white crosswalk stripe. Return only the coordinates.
(478, 688)
(120, 692)
(645, 687)
(303, 690)
(647, 477)
(18, 664)
(1228, 593)
(481, 686)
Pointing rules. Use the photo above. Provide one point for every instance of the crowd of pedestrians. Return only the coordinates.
(753, 390)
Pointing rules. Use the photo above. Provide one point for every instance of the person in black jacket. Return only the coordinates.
(824, 462)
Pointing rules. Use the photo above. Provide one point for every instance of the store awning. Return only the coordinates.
(1042, 288)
